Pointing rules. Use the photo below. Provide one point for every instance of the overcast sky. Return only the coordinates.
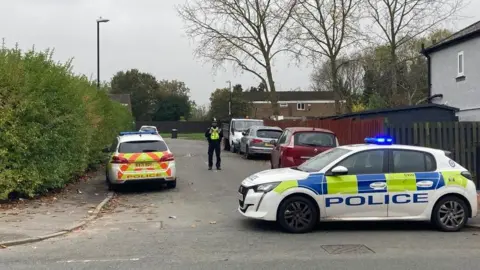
(142, 34)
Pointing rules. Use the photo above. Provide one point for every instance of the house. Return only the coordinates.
(292, 104)
(454, 72)
(123, 99)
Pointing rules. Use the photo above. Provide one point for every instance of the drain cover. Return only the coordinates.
(347, 249)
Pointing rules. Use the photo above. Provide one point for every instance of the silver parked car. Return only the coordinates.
(259, 140)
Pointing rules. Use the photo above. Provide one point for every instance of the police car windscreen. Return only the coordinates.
(148, 129)
(316, 139)
(142, 147)
(269, 133)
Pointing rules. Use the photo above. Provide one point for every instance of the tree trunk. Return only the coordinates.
(394, 73)
(335, 86)
(272, 90)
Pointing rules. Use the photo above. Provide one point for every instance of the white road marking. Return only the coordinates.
(101, 260)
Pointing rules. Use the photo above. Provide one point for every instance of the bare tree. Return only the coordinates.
(247, 33)
(326, 28)
(349, 77)
(396, 22)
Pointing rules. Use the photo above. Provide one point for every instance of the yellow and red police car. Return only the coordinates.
(374, 181)
(140, 156)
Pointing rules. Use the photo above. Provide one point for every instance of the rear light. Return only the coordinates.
(167, 157)
(257, 141)
(119, 160)
(467, 175)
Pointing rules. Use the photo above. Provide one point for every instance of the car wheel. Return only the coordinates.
(111, 187)
(172, 184)
(297, 214)
(450, 214)
(246, 155)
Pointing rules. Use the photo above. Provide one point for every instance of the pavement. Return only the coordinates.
(33, 220)
(196, 226)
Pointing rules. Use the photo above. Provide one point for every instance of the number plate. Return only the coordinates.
(143, 164)
(240, 197)
(268, 144)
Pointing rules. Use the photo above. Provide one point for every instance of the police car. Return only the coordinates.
(138, 157)
(374, 181)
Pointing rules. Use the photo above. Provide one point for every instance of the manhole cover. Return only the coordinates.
(343, 249)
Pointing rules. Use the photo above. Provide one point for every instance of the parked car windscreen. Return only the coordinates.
(316, 139)
(269, 133)
(323, 159)
(142, 147)
(148, 129)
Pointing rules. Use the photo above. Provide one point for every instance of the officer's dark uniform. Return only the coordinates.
(214, 136)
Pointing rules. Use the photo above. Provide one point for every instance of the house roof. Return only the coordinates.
(405, 108)
(463, 35)
(122, 98)
(290, 95)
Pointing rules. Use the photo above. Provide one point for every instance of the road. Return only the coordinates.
(196, 226)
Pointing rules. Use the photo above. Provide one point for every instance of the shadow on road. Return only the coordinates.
(272, 227)
(135, 188)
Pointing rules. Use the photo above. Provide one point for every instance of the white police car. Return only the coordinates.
(364, 182)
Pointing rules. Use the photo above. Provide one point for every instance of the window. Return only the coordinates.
(283, 105)
(412, 161)
(142, 147)
(321, 160)
(268, 133)
(460, 64)
(367, 162)
(316, 139)
(301, 106)
(243, 125)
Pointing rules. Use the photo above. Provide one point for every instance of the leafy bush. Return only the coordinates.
(53, 123)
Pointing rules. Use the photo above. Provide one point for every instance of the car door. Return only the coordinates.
(411, 182)
(361, 192)
(275, 157)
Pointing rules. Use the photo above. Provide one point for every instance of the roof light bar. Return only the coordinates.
(137, 133)
(379, 140)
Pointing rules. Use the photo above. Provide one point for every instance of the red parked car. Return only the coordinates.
(297, 144)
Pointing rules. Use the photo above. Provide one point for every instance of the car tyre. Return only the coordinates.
(112, 187)
(297, 214)
(450, 214)
(172, 184)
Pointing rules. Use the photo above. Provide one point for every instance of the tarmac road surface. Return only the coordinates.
(196, 226)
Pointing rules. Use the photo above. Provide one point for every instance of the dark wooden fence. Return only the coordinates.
(181, 126)
(348, 131)
(460, 138)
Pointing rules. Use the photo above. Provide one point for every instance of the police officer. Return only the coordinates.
(214, 136)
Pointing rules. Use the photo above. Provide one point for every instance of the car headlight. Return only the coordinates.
(266, 187)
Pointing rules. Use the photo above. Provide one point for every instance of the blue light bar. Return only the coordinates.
(137, 133)
(379, 140)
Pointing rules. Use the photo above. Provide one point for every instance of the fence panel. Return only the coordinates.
(460, 138)
(348, 131)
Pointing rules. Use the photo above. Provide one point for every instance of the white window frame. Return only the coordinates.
(462, 66)
(283, 105)
(300, 105)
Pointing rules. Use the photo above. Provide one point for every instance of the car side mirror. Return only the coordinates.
(106, 150)
(339, 170)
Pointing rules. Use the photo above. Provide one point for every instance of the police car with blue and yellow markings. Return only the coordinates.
(374, 181)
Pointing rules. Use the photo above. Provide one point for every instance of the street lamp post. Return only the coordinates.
(230, 99)
(99, 21)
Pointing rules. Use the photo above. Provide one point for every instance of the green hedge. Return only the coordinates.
(53, 123)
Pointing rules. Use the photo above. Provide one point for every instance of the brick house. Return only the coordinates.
(292, 104)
